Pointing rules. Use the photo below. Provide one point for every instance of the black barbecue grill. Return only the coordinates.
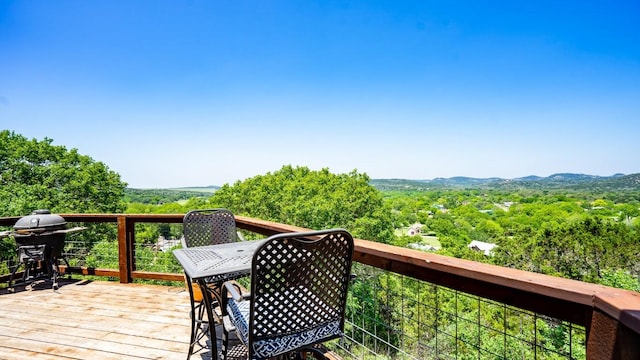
(39, 240)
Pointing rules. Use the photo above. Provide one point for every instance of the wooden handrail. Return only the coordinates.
(611, 316)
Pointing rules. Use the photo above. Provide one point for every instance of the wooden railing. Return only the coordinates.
(611, 316)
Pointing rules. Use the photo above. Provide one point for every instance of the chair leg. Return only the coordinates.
(225, 343)
(193, 331)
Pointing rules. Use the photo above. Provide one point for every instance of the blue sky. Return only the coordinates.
(185, 93)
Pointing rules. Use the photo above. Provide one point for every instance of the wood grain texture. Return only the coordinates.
(95, 320)
(100, 320)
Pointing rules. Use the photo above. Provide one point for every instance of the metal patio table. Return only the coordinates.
(202, 263)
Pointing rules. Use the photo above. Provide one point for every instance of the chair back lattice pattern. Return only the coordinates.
(299, 287)
(209, 227)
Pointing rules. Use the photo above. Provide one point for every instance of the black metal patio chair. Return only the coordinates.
(200, 228)
(299, 284)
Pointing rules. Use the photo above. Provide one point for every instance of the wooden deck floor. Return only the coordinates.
(95, 320)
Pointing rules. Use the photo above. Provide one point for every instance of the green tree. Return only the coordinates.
(579, 250)
(312, 199)
(36, 174)
(491, 228)
(627, 212)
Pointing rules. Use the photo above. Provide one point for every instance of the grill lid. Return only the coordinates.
(40, 220)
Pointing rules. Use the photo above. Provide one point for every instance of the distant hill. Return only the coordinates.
(560, 181)
(617, 182)
(567, 181)
(462, 181)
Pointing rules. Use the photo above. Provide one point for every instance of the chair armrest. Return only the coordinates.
(233, 289)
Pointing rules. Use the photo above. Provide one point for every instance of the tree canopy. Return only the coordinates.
(36, 174)
(311, 199)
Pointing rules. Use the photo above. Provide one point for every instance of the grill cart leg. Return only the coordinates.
(54, 270)
(13, 273)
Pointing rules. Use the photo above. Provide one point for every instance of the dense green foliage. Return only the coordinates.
(38, 175)
(311, 199)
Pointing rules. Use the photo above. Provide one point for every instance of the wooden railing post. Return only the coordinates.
(611, 340)
(614, 330)
(125, 249)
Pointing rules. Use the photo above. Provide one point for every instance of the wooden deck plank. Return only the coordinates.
(95, 320)
(65, 347)
(147, 327)
(36, 331)
(98, 320)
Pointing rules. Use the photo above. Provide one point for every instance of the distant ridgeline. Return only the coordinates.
(565, 181)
